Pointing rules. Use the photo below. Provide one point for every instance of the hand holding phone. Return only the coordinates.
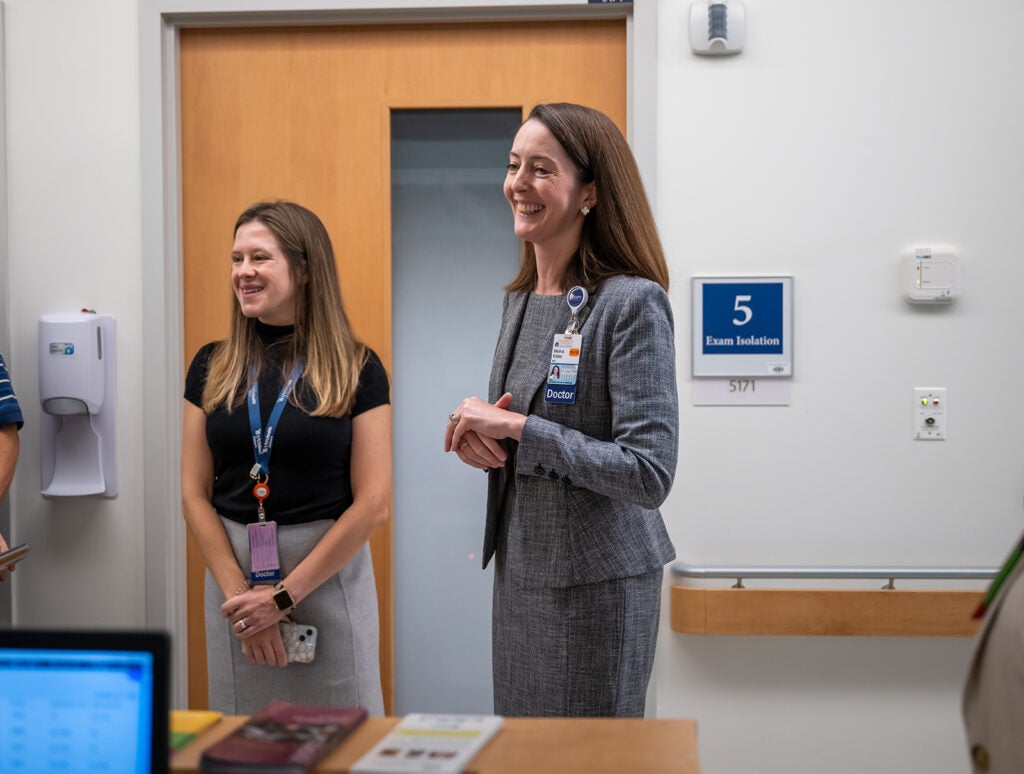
(10, 557)
(299, 642)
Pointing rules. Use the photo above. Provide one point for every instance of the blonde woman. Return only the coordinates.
(286, 461)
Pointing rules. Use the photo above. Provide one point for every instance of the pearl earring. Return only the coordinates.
(585, 211)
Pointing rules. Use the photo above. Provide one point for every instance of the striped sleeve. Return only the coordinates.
(10, 411)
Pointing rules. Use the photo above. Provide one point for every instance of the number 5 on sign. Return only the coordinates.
(741, 308)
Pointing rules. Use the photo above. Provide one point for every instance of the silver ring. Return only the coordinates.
(453, 417)
(243, 625)
(463, 446)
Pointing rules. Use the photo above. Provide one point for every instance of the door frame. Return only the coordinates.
(160, 22)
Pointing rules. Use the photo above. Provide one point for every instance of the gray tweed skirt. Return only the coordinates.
(346, 670)
(580, 651)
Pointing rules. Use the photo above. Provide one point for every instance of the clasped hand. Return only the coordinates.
(475, 429)
(254, 618)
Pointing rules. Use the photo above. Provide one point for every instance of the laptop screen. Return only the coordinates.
(83, 701)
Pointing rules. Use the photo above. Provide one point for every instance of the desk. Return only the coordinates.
(526, 745)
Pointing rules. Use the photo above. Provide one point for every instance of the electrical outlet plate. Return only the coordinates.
(930, 413)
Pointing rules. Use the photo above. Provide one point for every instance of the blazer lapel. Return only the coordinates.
(511, 321)
(497, 478)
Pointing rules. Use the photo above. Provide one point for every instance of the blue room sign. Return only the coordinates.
(742, 317)
(742, 326)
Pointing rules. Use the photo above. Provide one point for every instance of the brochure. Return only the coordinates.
(441, 744)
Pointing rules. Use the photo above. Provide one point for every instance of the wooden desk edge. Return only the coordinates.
(542, 744)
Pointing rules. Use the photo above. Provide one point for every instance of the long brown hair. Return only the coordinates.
(323, 338)
(619, 235)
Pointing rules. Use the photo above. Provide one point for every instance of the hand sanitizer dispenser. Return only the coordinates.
(77, 378)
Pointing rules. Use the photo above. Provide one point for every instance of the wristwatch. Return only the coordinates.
(283, 598)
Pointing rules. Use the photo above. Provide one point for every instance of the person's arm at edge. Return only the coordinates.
(9, 445)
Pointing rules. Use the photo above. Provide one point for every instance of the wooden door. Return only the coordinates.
(304, 114)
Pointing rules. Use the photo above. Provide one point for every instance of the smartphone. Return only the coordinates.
(299, 642)
(15, 554)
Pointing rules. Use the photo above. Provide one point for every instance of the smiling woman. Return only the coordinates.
(262, 277)
(548, 195)
(292, 379)
(577, 471)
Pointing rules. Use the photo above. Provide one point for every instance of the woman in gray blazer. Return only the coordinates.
(579, 459)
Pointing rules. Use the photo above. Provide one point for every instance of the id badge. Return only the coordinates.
(264, 564)
(563, 368)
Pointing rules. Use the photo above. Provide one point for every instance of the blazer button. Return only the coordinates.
(552, 475)
(538, 471)
(979, 756)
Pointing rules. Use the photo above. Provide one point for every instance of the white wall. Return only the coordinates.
(74, 235)
(846, 131)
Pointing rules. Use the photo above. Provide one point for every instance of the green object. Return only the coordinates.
(180, 739)
(1001, 576)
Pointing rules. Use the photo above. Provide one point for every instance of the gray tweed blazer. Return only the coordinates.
(591, 475)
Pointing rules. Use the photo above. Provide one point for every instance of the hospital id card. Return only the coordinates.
(563, 369)
(264, 564)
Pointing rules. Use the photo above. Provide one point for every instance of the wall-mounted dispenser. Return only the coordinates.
(717, 26)
(77, 380)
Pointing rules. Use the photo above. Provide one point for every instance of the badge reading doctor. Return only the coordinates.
(563, 369)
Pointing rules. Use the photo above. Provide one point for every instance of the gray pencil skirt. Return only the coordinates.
(346, 670)
(581, 651)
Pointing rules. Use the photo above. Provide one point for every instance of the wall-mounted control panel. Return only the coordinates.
(930, 275)
(930, 413)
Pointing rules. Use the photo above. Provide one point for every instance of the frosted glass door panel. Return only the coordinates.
(453, 249)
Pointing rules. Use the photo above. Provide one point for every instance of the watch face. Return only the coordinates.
(283, 599)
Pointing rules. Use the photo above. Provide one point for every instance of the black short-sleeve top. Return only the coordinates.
(310, 457)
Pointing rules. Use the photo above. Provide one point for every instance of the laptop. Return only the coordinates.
(84, 701)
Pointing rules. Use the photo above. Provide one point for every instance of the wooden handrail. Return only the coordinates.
(833, 612)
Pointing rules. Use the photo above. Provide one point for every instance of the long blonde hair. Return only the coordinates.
(323, 339)
(619, 235)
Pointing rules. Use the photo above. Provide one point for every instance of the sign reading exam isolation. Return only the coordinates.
(742, 326)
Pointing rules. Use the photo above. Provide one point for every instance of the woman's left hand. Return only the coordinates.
(252, 611)
(475, 451)
(475, 428)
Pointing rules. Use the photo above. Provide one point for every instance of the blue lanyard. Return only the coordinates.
(263, 438)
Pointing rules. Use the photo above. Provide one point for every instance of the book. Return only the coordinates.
(186, 725)
(282, 737)
(440, 744)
